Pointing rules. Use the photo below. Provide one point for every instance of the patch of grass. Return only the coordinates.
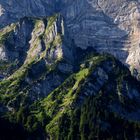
(5, 32)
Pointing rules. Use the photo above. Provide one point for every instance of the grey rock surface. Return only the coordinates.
(111, 26)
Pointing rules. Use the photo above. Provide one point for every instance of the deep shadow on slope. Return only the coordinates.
(14, 131)
(10, 131)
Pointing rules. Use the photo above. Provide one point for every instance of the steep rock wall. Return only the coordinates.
(107, 25)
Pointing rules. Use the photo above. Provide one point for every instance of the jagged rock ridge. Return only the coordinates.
(108, 26)
(55, 83)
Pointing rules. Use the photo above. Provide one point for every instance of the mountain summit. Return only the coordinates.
(106, 25)
(69, 69)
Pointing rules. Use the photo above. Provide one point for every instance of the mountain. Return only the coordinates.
(109, 26)
(69, 70)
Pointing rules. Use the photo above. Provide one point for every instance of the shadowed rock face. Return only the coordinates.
(108, 26)
(55, 84)
(12, 10)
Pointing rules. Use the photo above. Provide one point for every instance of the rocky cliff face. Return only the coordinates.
(58, 78)
(35, 45)
(108, 26)
(11, 11)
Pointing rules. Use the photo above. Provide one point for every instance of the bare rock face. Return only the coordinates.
(49, 67)
(107, 25)
(12, 10)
